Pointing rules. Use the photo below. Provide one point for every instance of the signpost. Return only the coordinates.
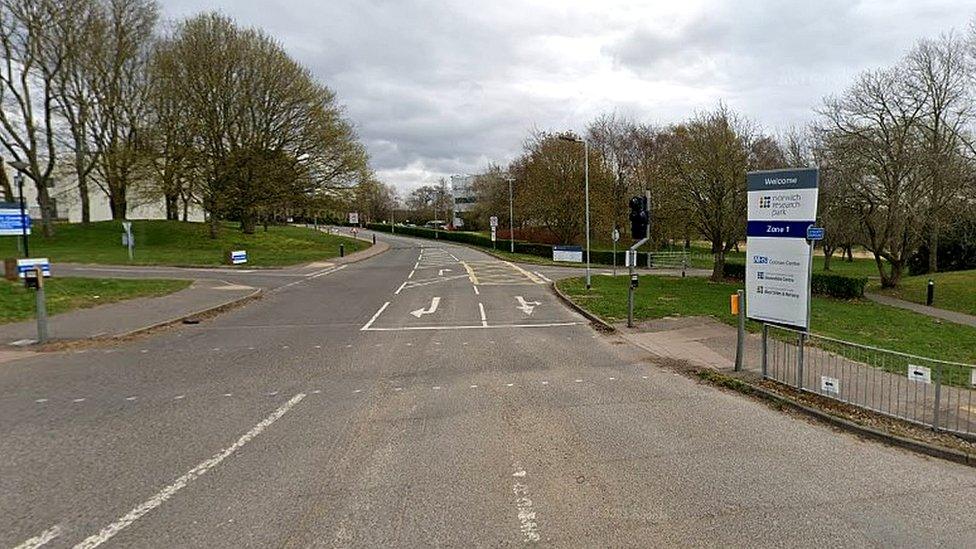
(128, 240)
(570, 254)
(238, 257)
(782, 207)
(494, 236)
(354, 218)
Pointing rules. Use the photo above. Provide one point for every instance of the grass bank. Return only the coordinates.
(182, 244)
(954, 291)
(67, 294)
(858, 321)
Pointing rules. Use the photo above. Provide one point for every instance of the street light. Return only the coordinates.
(586, 176)
(511, 216)
(21, 167)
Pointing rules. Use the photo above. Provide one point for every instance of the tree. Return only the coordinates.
(708, 158)
(617, 142)
(872, 130)
(33, 57)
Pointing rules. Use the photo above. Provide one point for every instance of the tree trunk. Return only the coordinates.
(8, 190)
(117, 203)
(214, 226)
(44, 201)
(248, 223)
(718, 268)
(828, 254)
(934, 251)
(849, 251)
(83, 186)
(172, 206)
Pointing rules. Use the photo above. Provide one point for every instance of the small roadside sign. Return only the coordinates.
(829, 385)
(493, 221)
(354, 218)
(616, 235)
(919, 373)
(571, 254)
(815, 233)
(238, 257)
(25, 266)
(630, 258)
(11, 223)
(494, 234)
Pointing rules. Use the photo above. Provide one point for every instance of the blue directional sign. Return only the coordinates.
(25, 266)
(238, 257)
(11, 222)
(815, 233)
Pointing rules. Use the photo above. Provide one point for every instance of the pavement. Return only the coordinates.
(432, 396)
(934, 312)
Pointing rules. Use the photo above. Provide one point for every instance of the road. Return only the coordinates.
(431, 396)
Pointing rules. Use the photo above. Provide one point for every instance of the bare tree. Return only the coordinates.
(33, 58)
(872, 130)
(615, 139)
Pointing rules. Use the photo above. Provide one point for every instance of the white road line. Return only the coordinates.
(168, 492)
(409, 276)
(527, 518)
(40, 539)
(476, 292)
(78, 400)
(471, 327)
(484, 319)
(543, 277)
(41, 400)
(527, 274)
(372, 320)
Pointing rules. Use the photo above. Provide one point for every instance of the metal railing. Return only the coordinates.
(669, 260)
(935, 393)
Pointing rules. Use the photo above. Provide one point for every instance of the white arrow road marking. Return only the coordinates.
(429, 310)
(526, 306)
(442, 271)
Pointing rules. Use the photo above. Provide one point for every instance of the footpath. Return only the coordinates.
(213, 290)
(934, 312)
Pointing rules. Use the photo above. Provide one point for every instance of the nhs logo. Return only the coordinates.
(760, 260)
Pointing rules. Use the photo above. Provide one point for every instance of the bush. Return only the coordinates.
(839, 286)
(957, 250)
(828, 284)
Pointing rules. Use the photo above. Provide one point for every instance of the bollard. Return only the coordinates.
(374, 239)
(342, 250)
(930, 298)
(41, 306)
(740, 343)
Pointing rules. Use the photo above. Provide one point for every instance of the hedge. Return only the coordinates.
(828, 284)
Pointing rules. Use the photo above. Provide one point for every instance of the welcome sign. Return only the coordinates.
(782, 206)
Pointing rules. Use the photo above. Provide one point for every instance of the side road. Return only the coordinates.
(213, 290)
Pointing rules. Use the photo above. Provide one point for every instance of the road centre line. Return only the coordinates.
(40, 539)
(484, 319)
(409, 276)
(168, 492)
(471, 327)
(375, 316)
(400, 288)
(476, 291)
(471, 275)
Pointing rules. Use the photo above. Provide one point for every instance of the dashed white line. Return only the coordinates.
(484, 319)
(476, 291)
(473, 387)
(179, 397)
(372, 320)
(40, 539)
(527, 517)
(228, 394)
(168, 492)
(131, 399)
(409, 276)
(78, 400)
(400, 289)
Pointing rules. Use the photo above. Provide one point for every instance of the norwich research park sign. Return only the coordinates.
(782, 206)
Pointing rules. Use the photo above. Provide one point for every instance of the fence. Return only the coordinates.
(935, 393)
(669, 260)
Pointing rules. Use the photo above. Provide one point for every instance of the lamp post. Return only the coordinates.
(21, 167)
(586, 179)
(511, 216)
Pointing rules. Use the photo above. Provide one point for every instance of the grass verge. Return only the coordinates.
(67, 294)
(955, 291)
(858, 321)
(182, 244)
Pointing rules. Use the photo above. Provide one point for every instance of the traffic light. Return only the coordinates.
(639, 217)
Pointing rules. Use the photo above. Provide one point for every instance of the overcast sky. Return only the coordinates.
(438, 88)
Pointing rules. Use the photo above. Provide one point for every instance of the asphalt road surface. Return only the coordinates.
(432, 396)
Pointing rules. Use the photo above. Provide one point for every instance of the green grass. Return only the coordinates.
(181, 244)
(954, 291)
(859, 321)
(66, 294)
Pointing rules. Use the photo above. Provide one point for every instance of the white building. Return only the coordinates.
(67, 201)
(463, 195)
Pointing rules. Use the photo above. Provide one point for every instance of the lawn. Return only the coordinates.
(955, 291)
(66, 294)
(859, 321)
(181, 244)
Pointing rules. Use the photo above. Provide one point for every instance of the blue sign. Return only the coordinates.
(11, 222)
(25, 266)
(815, 233)
(779, 229)
(239, 257)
